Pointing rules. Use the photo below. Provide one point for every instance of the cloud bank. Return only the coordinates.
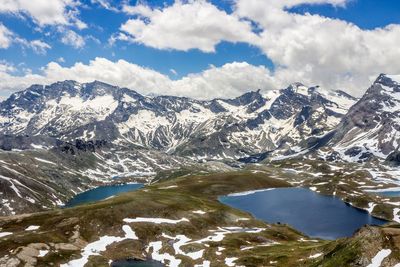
(303, 47)
(229, 80)
(312, 49)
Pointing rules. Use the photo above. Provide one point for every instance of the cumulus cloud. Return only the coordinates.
(45, 12)
(184, 26)
(38, 46)
(106, 4)
(315, 49)
(309, 48)
(5, 36)
(230, 80)
(72, 38)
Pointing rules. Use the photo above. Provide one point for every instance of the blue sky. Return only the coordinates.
(104, 19)
(102, 24)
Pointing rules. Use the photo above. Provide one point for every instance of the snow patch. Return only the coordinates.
(154, 220)
(245, 193)
(199, 212)
(371, 207)
(230, 261)
(164, 257)
(2, 234)
(379, 257)
(43, 253)
(100, 245)
(314, 256)
(396, 216)
(32, 228)
(45, 161)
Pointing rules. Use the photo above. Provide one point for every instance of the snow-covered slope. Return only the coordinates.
(372, 125)
(217, 129)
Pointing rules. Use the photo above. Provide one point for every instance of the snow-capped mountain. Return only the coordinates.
(60, 139)
(372, 125)
(217, 129)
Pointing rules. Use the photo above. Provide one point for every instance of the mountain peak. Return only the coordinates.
(247, 98)
(387, 80)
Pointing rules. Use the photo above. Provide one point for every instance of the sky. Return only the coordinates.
(197, 48)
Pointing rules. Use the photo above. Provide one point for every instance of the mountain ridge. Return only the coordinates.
(72, 137)
(40, 110)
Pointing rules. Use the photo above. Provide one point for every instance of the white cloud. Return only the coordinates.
(314, 49)
(184, 26)
(230, 80)
(303, 47)
(105, 4)
(72, 38)
(39, 46)
(45, 12)
(5, 36)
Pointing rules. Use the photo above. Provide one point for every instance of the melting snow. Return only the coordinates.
(5, 234)
(315, 256)
(371, 207)
(168, 187)
(396, 216)
(156, 246)
(100, 245)
(230, 261)
(245, 193)
(182, 240)
(154, 220)
(199, 212)
(45, 161)
(204, 264)
(377, 260)
(32, 228)
(43, 253)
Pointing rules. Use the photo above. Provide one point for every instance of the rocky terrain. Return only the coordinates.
(217, 129)
(180, 222)
(59, 140)
(67, 137)
(371, 128)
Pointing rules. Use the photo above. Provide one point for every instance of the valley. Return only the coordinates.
(180, 221)
(97, 175)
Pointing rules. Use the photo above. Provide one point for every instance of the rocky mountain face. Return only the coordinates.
(371, 128)
(217, 129)
(61, 139)
(46, 174)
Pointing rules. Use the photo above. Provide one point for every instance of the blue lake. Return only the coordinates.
(100, 193)
(389, 193)
(313, 214)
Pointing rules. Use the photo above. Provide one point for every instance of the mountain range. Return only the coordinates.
(61, 139)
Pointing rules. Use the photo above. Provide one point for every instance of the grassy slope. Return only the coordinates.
(87, 223)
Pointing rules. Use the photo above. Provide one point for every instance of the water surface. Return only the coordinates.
(100, 193)
(389, 193)
(314, 214)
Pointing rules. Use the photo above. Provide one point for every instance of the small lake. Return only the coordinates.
(136, 263)
(100, 193)
(313, 214)
(388, 193)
